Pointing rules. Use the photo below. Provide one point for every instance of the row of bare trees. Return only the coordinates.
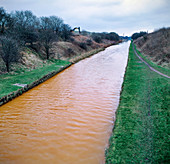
(23, 28)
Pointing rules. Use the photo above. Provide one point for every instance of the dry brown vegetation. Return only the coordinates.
(156, 46)
(78, 46)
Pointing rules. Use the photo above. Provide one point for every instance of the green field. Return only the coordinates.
(141, 131)
(27, 77)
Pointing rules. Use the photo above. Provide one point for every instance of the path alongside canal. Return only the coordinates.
(151, 68)
(141, 132)
(69, 118)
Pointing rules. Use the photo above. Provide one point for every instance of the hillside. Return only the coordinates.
(156, 46)
(32, 58)
(28, 41)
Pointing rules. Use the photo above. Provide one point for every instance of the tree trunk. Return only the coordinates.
(47, 52)
(7, 66)
(2, 27)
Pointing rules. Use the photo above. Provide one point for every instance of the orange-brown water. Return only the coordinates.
(67, 119)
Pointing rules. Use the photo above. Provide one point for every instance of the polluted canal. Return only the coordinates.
(69, 118)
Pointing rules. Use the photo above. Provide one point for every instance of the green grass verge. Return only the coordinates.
(152, 64)
(27, 76)
(141, 131)
(20, 74)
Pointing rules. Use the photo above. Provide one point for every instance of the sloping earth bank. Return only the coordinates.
(156, 46)
(30, 59)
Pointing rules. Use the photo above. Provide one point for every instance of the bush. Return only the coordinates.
(70, 52)
(137, 35)
(89, 42)
(72, 39)
(145, 37)
(97, 38)
(83, 45)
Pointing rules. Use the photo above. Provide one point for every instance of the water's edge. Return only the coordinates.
(122, 86)
(19, 92)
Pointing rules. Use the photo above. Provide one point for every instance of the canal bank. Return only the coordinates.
(141, 130)
(13, 86)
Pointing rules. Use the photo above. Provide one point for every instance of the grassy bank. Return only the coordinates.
(24, 76)
(141, 129)
(152, 64)
(27, 77)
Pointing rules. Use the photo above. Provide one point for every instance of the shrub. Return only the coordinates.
(70, 52)
(97, 38)
(83, 45)
(89, 42)
(137, 35)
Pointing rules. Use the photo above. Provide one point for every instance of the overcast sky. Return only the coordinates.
(121, 16)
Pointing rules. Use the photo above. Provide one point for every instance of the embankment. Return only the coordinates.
(155, 46)
(29, 86)
(141, 130)
(35, 77)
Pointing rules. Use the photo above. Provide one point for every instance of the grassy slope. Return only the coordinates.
(23, 76)
(154, 65)
(141, 130)
(27, 77)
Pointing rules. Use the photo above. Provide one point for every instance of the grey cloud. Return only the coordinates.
(122, 16)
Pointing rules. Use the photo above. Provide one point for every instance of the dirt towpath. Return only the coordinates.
(151, 68)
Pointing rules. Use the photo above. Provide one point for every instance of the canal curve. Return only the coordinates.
(69, 118)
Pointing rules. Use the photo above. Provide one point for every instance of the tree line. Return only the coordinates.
(99, 36)
(138, 34)
(23, 28)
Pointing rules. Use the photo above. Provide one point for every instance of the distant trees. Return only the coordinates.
(25, 29)
(8, 51)
(137, 35)
(97, 37)
(109, 36)
(113, 36)
(85, 33)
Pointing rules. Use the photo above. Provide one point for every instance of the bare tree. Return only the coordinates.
(25, 26)
(65, 32)
(46, 23)
(8, 51)
(2, 19)
(47, 38)
(46, 34)
(56, 24)
(5, 20)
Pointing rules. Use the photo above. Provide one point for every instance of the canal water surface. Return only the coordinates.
(69, 118)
